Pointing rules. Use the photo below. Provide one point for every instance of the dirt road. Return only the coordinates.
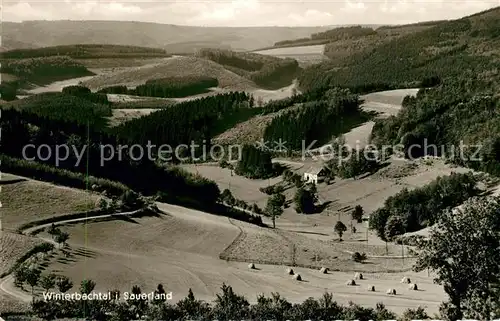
(7, 287)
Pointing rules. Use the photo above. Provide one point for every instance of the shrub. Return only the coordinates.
(395, 226)
(359, 257)
(305, 199)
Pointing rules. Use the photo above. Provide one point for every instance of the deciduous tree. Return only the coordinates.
(340, 228)
(463, 249)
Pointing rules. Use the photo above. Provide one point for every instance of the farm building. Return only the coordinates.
(314, 174)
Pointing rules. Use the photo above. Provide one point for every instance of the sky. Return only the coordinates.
(236, 13)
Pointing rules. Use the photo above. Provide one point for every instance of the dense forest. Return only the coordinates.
(266, 71)
(171, 87)
(85, 51)
(142, 174)
(64, 107)
(44, 70)
(410, 211)
(85, 93)
(8, 90)
(343, 41)
(316, 120)
(461, 112)
(273, 106)
(192, 121)
(255, 163)
(447, 49)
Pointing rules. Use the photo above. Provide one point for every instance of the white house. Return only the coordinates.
(313, 175)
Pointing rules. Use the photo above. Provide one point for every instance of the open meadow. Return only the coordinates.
(26, 200)
(342, 195)
(181, 250)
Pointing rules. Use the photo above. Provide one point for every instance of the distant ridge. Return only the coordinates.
(145, 34)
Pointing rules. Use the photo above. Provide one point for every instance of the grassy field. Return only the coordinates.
(306, 249)
(305, 55)
(8, 304)
(181, 250)
(370, 192)
(12, 247)
(30, 200)
(249, 131)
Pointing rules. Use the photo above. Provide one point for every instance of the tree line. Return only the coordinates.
(228, 305)
(86, 93)
(342, 33)
(412, 210)
(255, 163)
(265, 71)
(273, 106)
(79, 108)
(172, 87)
(85, 51)
(44, 70)
(317, 120)
(142, 175)
(192, 121)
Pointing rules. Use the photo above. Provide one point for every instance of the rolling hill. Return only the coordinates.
(175, 38)
(447, 49)
(368, 33)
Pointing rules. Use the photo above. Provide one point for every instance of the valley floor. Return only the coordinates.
(181, 250)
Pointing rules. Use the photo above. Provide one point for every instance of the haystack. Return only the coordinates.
(251, 266)
(289, 271)
(371, 288)
(297, 277)
(324, 270)
(413, 287)
(391, 291)
(358, 276)
(351, 282)
(406, 280)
